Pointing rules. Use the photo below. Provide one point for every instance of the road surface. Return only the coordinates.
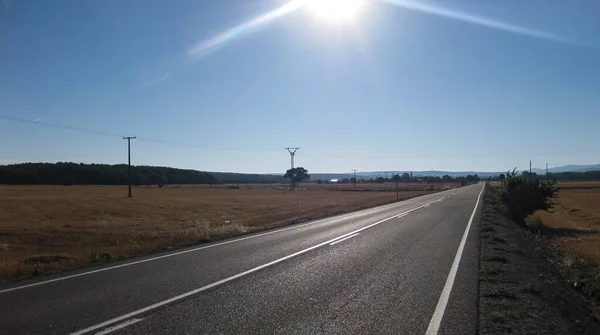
(405, 268)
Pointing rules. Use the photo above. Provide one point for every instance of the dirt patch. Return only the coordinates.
(521, 291)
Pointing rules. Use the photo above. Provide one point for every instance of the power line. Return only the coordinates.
(116, 135)
(195, 146)
(58, 126)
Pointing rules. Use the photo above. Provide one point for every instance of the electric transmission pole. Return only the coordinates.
(129, 138)
(386, 180)
(354, 178)
(292, 152)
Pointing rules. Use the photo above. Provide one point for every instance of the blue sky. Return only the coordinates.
(444, 85)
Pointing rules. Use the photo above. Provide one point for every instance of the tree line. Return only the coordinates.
(407, 178)
(559, 176)
(99, 174)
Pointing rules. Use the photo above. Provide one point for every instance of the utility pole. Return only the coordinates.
(354, 178)
(546, 171)
(292, 152)
(129, 138)
(386, 180)
(529, 170)
(397, 197)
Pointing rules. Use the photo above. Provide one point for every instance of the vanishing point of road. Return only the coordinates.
(405, 268)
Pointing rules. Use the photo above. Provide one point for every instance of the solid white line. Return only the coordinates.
(438, 315)
(345, 238)
(203, 247)
(119, 326)
(241, 274)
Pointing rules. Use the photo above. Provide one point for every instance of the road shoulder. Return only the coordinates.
(520, 291)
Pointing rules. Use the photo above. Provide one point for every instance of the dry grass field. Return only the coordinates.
(574, 222)
(47, 228)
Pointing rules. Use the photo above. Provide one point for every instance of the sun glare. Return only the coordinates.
(334, 9)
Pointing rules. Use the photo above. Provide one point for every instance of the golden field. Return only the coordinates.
(48, 228)
(575, 221)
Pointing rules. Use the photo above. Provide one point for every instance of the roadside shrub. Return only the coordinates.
(523, 196)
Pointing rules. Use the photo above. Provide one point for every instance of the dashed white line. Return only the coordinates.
(241, 274)
(345, 238)
(438, 314)
(119, 326)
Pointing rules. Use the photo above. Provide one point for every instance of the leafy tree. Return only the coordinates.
(472, 178)
(396, 178)
(296, 176)
(502, 177)
(379, 180)
(405, 177)
(523, 196)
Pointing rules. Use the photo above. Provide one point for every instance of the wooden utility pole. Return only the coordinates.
(129, 138)
(354, 178)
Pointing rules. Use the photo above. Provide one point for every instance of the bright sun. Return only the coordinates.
(334, 9)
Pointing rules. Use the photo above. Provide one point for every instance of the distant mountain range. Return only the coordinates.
(435, 173)
(569, 168)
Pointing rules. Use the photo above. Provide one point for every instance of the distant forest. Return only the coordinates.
(103, 174)
(98, 174)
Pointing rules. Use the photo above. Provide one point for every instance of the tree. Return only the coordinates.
(380, 180)
(296, 175)
(405, 177)
(524, 196)
(396, 178)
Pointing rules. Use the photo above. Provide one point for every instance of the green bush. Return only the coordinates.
(524, 196)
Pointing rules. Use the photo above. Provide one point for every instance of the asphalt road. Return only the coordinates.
(393, 269)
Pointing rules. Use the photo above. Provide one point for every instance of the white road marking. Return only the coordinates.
(438, 314)
(119, 326)
(228, 279)
(345, 238)
(203, 247)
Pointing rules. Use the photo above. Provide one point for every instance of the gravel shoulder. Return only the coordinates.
(521, 290)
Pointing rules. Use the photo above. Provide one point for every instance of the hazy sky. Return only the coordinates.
(404, 85)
